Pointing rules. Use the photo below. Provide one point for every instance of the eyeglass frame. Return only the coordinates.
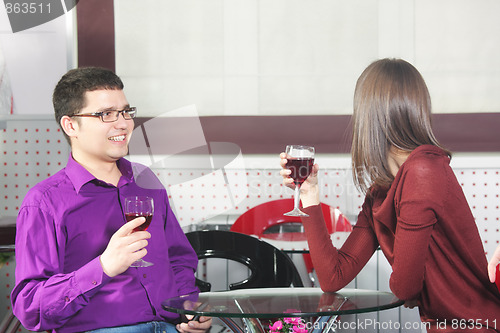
(130, 111)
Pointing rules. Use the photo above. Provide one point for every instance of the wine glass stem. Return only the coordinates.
(297, 196)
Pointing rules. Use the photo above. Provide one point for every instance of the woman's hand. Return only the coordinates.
(309, 190)
(492, 265)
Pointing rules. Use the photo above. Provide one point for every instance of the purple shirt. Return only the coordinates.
(64, 225)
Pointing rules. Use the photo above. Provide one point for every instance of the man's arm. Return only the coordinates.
(44, 297)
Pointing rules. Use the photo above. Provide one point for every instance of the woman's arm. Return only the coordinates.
(334, 267)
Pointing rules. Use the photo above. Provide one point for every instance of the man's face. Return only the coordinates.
(96, 141)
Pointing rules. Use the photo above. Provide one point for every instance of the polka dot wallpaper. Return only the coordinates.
(31, 151)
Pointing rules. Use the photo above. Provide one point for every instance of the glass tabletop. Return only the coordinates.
(275, 302)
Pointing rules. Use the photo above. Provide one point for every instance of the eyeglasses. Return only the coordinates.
(110, 116)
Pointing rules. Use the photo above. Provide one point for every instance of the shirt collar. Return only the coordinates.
(80, 176)
(125, 168)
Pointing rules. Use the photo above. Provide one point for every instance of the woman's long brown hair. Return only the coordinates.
(392, 107)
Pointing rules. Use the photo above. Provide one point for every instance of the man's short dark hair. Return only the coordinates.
(69, 94)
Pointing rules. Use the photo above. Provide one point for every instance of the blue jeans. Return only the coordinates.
(149, 327)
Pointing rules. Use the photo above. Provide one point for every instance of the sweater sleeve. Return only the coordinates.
(334, 267)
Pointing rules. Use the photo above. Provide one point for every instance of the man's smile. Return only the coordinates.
(117, 138)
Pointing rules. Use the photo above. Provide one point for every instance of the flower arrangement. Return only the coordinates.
(288, 325)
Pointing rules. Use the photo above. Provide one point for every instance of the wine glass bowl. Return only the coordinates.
(300, 167)
(139, 206)
(300, 161)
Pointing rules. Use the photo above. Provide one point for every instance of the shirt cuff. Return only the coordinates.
(91, 277)
(315, 213)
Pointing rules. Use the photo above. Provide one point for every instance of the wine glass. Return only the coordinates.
(300, 160)
(138, 206)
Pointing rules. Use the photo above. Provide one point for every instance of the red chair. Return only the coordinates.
(267, 221)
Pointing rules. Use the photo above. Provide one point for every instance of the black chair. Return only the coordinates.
(9, 323)
(269, 266)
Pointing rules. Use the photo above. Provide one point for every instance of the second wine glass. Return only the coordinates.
(300, 161)
(139, 206)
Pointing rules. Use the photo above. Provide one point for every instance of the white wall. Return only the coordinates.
(255, 57)
(282, 57)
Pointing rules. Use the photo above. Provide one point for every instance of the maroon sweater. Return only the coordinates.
(426, 230)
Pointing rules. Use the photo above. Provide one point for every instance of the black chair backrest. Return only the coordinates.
(9, 323)
(269, 266)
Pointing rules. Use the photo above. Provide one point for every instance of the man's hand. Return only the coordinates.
(195, 326)
(124, 247)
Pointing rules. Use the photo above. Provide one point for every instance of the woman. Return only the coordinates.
(414, 208)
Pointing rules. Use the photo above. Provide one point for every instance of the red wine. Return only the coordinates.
(142, 227)
(300, 167)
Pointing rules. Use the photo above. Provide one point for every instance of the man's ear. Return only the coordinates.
(69, 126)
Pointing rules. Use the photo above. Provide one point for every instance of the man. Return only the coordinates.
(73, 247)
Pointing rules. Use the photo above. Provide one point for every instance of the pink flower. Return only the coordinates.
(292, 320)
(277, 326)
(299, 329)
(288, 325)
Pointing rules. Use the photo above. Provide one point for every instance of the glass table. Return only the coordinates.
(251, 305)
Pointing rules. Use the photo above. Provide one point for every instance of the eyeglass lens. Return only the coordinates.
(109, 116)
